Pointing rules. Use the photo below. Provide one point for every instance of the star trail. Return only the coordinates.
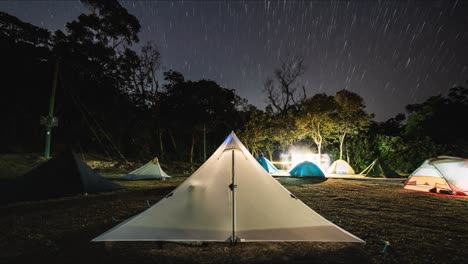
(392, 53)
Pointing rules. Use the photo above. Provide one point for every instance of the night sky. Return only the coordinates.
(390, 52)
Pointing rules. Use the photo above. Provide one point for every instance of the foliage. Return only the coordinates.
(441, 119)
(316, 119)
(363, 150)
(195, 105)
(110, 100)
(350, 118)
(255, 133)
(25, 68)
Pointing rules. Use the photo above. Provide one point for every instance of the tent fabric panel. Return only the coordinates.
(455, 172)
(340, 167)
(427, 172)
(326, 233)
(63, 175)
(93, 182)
(148, 171)
(201, 202)
(422, 188)
(425, 178)
(442, 172)
(150, 233)
(265, 219)
(271, 201)
(54, 178)
(267, 165)
(427, 181)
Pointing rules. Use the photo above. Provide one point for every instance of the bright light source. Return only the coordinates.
(297, 155)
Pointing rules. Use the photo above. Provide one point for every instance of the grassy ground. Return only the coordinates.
(12, 165)
(421, 228)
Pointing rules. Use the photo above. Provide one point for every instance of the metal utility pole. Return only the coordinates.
(50, 121)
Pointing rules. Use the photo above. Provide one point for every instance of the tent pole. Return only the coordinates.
(368, 168)
(233, 186)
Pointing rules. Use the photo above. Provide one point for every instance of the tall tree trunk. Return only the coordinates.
(270, 153)
(347, 154)
(318, 141)
(192, 147)
(174, 145)
(319, 145)
(319, 148)
(161, 146)
(342, 138)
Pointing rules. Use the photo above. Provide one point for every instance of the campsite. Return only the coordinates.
(273, 131)
(398, 225)
(431, 229)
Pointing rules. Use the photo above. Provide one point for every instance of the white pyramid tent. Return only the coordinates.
(229, 198)
(442, 173)
(151, 170)
(340, 167)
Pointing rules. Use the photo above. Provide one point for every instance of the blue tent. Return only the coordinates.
(266, 164)
(306, 169)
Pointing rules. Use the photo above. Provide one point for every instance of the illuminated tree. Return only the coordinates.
(350, 118)
(316, 121)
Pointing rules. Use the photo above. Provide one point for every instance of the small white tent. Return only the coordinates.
(151, 170)
(440, 173)
(230, 198)
(340, 167)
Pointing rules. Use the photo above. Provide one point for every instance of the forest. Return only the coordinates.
(116, 100)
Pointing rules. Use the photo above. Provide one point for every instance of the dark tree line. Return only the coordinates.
(111, 99)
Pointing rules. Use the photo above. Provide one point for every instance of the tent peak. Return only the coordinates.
(232, 142)
(155, 161)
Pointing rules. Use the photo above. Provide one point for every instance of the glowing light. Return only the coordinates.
(296, 155)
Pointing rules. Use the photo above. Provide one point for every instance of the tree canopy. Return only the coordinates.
(116, 99)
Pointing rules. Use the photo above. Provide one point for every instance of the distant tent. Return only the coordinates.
(230, 198)
(149, 171)
(266, 164)
(63, 175)
(379, 169)
(306, 169)
(340, 167)
(449, 174)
